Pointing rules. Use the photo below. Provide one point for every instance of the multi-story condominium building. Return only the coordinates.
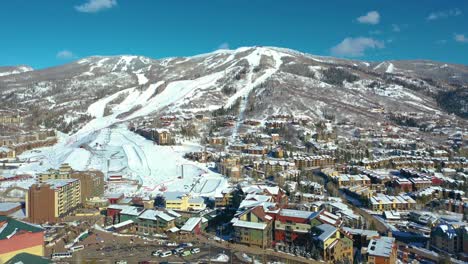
(346, 180)
(420, 183)
(51, 174)
(253, 227)
(49, 201)
(382, 202)
(225, 198)
(292, 225)
(448, 238)
(180, 201)
(404, 184)
(271, 166)
(153, 222)
(229, 166)
(306, 161)
(92, 182)
(19, 237)
(382, 250)
(334, 245)
(163, 137)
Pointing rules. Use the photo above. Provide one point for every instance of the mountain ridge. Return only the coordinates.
(256, 81)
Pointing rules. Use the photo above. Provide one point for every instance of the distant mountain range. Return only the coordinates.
(250, 82)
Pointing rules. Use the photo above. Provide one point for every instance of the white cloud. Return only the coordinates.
(396, 28)
(461, 38)
(93, 6)
(355, 47)
(65, 55)
(444, 14)
(224, 45)
(372, 17)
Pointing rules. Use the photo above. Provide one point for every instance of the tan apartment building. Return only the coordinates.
(92, 182)
(49, 201)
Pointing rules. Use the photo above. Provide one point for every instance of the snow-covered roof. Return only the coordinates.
(173, 229)
(296, 213)
(124, 223)
(8, 206)
(252, 225)
(154, 215)
(173, 213)
(327, 231)
(382, 246)
(55, 184)
(174, 195)
(191, 223)
(362, 232)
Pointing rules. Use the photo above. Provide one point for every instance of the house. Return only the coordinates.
(382, 250)
(19, 237)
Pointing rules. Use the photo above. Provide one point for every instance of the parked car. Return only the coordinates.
(166, 254)
(186, 245)
(186, 253)
(177, 250)
(157, 253)
(195, 250)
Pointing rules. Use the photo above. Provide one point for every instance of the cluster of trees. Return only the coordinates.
(337, 76)
(299, 69)
(455, 101)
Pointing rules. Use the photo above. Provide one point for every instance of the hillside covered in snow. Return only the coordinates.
(94, 100)
(259, 81)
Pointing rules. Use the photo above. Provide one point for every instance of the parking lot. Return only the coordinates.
(106, 247)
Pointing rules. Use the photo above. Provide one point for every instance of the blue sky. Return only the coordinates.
(52, 32)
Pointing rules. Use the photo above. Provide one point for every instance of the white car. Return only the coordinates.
(195, 250)
(166, 254)
(157, 253)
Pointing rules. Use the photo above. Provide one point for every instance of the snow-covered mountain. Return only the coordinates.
(92, 96)
(258, 81)
(9, 70)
